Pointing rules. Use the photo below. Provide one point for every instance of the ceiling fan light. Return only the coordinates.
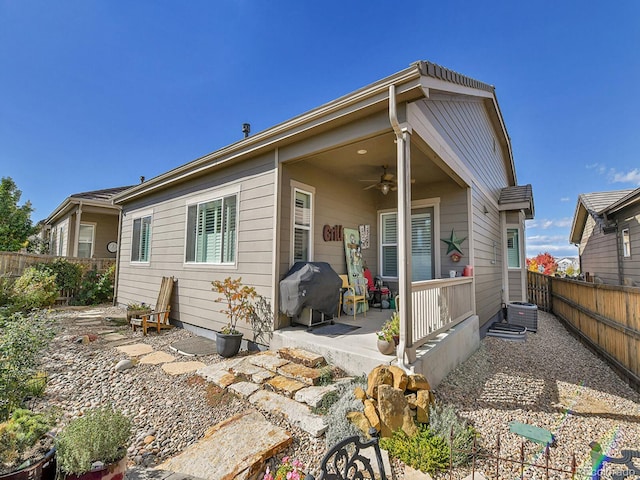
(384, 188)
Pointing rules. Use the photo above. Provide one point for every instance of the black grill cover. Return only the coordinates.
(310, 284)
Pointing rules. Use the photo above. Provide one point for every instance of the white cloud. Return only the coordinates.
(632, 176)
(615, 176)
(550, 223)
(564, 199)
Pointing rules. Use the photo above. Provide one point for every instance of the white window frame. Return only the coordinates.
(626, 243)
(206, 197)
(518, 230)
(93, 236)
(141, 215)
(307, 190)
(415, 205)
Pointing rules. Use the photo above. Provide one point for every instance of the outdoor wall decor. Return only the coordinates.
(332, 234)
(364, 236)
(454, 243)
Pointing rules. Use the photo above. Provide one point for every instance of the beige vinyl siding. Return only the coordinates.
(193, 300)
(106, 230)
(515, 286)
(516, 277)
(599, 253)
(463, 122)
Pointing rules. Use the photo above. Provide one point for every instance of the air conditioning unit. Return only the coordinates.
(523, 314)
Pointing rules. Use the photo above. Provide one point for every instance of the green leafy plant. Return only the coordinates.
(101, 435)
(390, 328)
(325, 404)
(34, 289)
(21, 432)
(96, 287)
(443, 420)
(423, 451)
(6, 290)
(238, 300)
(68, 274)
(138, 306)
(22, 340)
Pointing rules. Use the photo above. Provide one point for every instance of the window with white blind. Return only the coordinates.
(141, 241)
(513, 248)
(211, 231)
(85, 240)
(626, 243)
(302, 247)
(422, 252)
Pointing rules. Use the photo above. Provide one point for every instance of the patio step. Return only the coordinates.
(286, 386)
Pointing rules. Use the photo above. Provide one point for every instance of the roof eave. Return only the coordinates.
(68, 204)
(579, 221)
(626, 201)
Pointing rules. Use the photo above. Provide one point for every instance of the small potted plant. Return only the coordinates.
(26, 446)
(238, 300)
(94, 446)
(137, 310)
(389, 334)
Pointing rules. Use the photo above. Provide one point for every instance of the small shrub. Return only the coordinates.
(338, 427)
(442, 419)
(6, 291)
(34, 289)
(101, 435)
(68, 275)
(22, 340)
(325, 404)
(424, 451)
(21, 432)
(36, 385)
(96, 287)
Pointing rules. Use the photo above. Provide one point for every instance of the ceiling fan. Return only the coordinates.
(387, 182)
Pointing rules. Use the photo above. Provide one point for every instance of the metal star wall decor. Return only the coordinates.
(453, 243)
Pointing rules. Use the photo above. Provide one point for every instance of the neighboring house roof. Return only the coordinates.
(411, 84)
(518, 197)
(598, 205)
(101, 198)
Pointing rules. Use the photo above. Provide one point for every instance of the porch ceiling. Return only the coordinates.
(380, 150)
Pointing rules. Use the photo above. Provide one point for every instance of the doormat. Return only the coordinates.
(195, 346)
(334, 330)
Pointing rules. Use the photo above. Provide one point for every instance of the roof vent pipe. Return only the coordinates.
(141, 178)
(246, 129)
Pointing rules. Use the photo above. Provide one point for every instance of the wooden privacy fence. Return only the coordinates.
(607, 317)
(539, 290)
(13, 264)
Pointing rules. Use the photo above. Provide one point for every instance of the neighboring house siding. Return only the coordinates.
(630, 218)
(599, 253)
(106, 230)
(193, 299)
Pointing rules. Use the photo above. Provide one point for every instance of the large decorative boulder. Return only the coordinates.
(400, 378)
(418, 382)
(391, 407)
(378, 376)
(372, 414)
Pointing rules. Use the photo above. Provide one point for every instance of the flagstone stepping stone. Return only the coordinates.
(178, 368)
(269, 360)
(235, 448)
(156, 358)
(297, 413)
(88, 323)
(135, 350)
(244, 389)
(308, 375)
(112, 337)
(313, 396)
(303, 357)
(284, 385)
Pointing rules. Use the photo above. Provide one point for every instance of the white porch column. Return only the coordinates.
(76, 237)
(404, 245)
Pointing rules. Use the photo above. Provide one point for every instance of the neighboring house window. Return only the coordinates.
(85, 241)
(141, 242)
(302, 224)
(513, 248)
(626, 243)
(211, 231)
(422, 253)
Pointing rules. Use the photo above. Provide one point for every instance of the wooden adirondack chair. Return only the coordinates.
(158, 318)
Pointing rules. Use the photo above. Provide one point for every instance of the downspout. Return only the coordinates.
(404, 239)
(117, 270)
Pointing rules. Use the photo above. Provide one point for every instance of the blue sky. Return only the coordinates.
(94, 94)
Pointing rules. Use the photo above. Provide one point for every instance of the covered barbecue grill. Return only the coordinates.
(312, 285)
